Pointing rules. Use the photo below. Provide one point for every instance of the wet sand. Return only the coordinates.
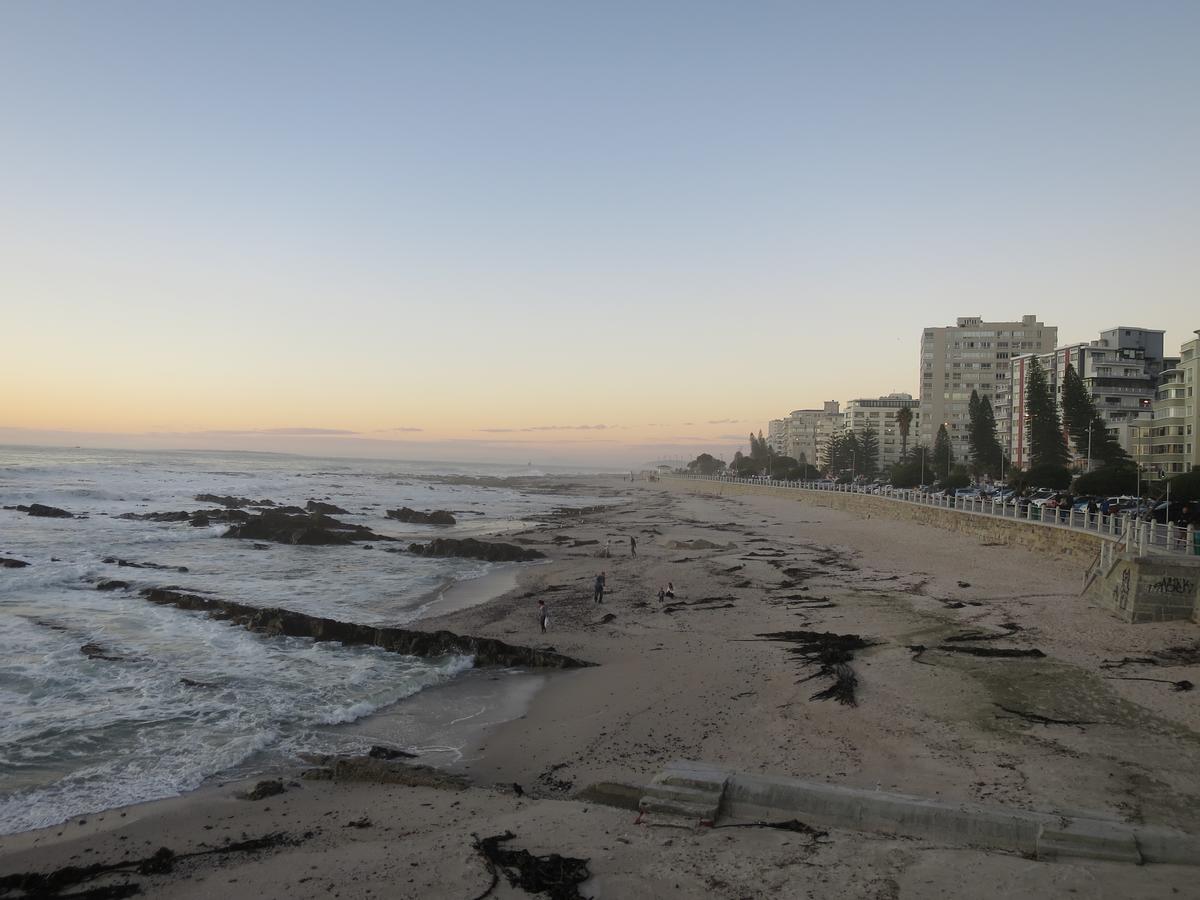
(692, 680)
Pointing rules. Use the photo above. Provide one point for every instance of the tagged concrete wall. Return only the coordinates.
(1150, 589)
(1051, 539)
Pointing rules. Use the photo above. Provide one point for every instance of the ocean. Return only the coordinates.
(185, 697)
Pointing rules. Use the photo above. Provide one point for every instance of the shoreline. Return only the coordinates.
(691, 680)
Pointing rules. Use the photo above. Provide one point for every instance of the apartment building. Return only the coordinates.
(880, 414)
(1170, 443)
(804, 432)
(1120, 371)
(972, 355)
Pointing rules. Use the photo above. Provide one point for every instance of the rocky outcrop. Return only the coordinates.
(95, 651)
(271, 620)
(45, 512)
(263, 790)
(473, 549)
(112, 584)
(12, 563)
(404, 514)
(195, 518)
(124, 563)
(382, 771)
(328, 509)
(310, 529)
(231, 502)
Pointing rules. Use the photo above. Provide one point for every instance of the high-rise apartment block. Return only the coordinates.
(972, 355)
(1170, 443)
(1120, 372)
(804, 432)
(880, 416)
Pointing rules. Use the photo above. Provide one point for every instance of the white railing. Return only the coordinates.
(1136, 535)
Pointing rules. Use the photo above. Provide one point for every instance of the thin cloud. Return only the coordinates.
(724, 421)
(397, 428)
(546, 428)
(302, 431)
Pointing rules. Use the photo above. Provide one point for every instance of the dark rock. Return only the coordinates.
(231, 502)
(486, 651)
(124, 563)
(378, 752)
(12, 563)
(188, 682)
(95, 651)
(473, 549)
(199, 520)
(261, 546)
(382, 771)
(404, 514)
(262, 790)
(45, 512)
(325, 508)
(307, 528)
(112, 585)
(182, 515)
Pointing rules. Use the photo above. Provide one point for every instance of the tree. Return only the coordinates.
(706, 464)
(1108, 480)
(868, 448)
(958, 477)
(784, 468)
(985, 449)
(904, 423)
(943, 455)
(909, 472)
(1085, 425)
(1047, 446)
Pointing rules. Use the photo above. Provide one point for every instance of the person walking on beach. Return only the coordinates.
(598, 593)
(543, 616)
(670, 591)
(632, 545)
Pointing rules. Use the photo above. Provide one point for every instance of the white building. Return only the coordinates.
(803, 434)
(1120, 372)
(880, 415)
(971, 355)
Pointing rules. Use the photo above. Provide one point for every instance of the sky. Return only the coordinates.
(605, 232)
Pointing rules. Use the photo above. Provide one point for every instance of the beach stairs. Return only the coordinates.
(686, 790)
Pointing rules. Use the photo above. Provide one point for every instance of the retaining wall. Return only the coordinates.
(1150, 589)
(1051, 539)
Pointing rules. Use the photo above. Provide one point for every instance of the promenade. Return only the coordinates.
(1129, 532)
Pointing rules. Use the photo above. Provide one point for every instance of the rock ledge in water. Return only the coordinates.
(430, 644)
(473, 549)
(45, 512)
(404, 514)
(307, 529)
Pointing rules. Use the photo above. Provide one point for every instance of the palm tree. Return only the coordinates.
(904, 422)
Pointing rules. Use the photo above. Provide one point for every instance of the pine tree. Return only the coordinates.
(981, 435)
(1084, 424)
(1047, 446)
(904, 422)
(973, 429)
(943, 455)
(851, 453)
(991, 458)
(868, 446)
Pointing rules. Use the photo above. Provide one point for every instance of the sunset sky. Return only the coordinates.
(598, 232)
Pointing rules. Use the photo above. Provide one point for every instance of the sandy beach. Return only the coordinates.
(692, 679)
